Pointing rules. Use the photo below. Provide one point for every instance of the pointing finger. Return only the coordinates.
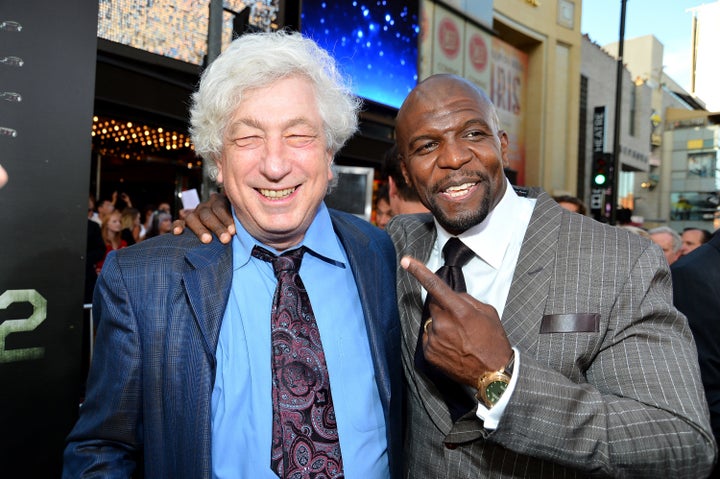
(432, 283)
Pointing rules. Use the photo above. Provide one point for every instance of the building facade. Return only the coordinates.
(549, 33)
(597, 130)
(643, 57)
(691, 146)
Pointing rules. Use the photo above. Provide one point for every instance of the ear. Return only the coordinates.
(504, 142)
(405, 173)
(392, 187)
(219, 165)
(329, 156)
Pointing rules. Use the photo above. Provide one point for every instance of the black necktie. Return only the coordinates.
(456, 255)
(305, 439)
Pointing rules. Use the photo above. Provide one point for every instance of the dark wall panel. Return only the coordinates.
(43, 209)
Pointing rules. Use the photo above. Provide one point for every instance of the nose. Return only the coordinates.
(454, 155)
(275, 163)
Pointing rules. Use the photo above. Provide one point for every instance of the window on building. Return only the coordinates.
(702, 165)
(693, 205)
(176, 29)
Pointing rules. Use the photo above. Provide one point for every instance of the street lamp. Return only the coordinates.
(618, 103)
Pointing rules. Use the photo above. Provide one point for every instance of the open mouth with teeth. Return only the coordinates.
(459, 190)
(277, 194)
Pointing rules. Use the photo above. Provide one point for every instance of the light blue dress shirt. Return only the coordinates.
(241, 399)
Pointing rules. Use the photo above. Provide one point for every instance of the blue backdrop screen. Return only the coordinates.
(375, 42)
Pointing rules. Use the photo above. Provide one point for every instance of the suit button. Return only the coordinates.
(450, 445)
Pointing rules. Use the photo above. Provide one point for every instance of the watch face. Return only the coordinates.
(494, 390)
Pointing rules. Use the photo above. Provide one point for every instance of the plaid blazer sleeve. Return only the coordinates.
(160, 304)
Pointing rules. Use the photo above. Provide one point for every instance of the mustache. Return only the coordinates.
(459, 178)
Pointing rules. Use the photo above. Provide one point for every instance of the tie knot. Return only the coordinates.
(456, 253)
(288, 261)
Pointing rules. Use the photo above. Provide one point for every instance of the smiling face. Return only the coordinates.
(275, 165)
(452, 152)
(114, 222)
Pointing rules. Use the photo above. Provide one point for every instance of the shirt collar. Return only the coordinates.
(491, 238)
(317, 239)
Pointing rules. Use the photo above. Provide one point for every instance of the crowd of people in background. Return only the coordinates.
(114, 223)
(673, 244)
(392, 197)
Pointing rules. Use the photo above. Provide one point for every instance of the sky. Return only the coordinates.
(668, 20)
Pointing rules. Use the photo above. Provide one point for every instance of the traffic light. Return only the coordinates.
(602, 170)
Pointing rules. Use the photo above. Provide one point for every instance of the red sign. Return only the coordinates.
(478, 53)
(449, 38)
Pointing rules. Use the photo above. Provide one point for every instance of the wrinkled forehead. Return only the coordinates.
(438, 97)
(441, 86)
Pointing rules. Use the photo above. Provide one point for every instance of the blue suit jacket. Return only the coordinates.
(161, 304)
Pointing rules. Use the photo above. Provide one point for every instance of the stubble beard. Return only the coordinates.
(463, 220)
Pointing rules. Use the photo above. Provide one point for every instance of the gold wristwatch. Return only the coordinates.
(493, 384)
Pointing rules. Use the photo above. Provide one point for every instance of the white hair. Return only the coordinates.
(256, 60)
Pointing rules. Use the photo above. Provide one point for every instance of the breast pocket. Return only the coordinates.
(570, 323)
(569, 342)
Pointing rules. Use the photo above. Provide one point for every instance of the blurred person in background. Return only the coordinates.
(92, 212)
(94, 253)
(670, 242)
(105, 206)
(383, 213)
(403, 198)
(131, 225)
(148, 217)
(571, 203)
(165, 207)
(111, 231)
(636, 229)
(160, 223)
(693, 238)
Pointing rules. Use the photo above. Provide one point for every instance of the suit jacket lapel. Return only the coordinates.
(418, 242)
(208, 283)
(415, 238)
(533, 274)
(364, 268)
(523, 311)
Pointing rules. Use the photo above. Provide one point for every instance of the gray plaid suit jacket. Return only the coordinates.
(161, 304)
(613, 393)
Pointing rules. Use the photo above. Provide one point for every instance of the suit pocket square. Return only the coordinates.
(570, 323)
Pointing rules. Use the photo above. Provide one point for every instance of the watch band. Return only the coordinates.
(492, 384)
(510, 364)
